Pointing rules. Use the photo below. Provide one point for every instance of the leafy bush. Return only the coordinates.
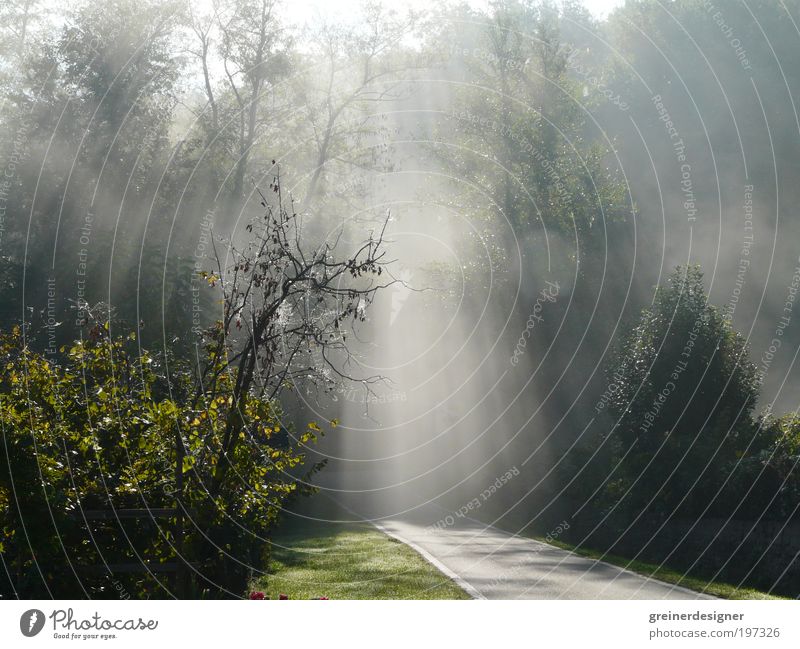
(765, 481)
(99, 431)
(683, 399)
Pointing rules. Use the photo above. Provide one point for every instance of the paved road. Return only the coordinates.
(491, 564)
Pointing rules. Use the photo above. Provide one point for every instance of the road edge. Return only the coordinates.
(468, 588)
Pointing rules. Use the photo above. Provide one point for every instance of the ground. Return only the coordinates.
(350, 562)
(357, 561)
(664, 573)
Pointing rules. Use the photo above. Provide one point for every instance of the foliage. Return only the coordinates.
(135, 132)
(524, 112)
(684, 393)
(98, 431)
(764, 483)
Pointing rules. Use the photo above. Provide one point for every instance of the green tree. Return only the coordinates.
(684, 394)
(525, 112)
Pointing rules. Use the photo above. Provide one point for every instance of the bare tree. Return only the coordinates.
(253, 49)
(288, 307)
(361, 68)
(17, 17)
(202, 27)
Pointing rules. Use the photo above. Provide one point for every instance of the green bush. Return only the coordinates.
(99, 430)
(684, 392)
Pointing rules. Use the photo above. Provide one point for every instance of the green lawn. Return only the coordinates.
(350, 562)
(715, 588)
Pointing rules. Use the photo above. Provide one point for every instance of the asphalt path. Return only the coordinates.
(492, 564)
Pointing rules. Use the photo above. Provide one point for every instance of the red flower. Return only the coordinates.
(283, 596)
(256, 594)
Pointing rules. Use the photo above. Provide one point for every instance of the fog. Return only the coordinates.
(544, 167)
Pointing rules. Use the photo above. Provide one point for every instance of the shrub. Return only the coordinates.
(685, 391)
(101, 430)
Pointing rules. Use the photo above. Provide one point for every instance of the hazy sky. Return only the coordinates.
(602, 7)
(305, 9)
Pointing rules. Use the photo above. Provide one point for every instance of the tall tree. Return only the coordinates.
(356, 67)
(254, 49)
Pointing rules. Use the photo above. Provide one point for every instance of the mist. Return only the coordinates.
(541, 172)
